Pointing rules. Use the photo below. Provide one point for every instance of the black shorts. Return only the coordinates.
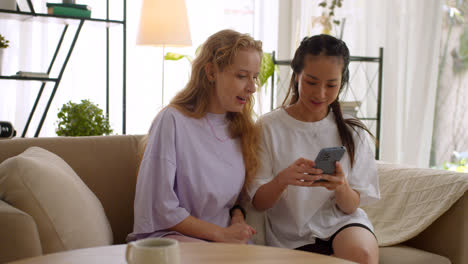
(325, 247)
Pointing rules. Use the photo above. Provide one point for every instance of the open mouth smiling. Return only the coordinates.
(241, 99)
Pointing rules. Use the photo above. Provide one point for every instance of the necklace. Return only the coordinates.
(214, 133)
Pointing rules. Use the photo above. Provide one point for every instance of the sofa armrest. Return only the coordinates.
(19, 237)
(448, 235)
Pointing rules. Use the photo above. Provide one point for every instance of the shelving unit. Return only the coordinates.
(372, 117)
(20, 15)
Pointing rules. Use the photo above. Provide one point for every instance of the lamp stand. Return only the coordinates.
(162, 87)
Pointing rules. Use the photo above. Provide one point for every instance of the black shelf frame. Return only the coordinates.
(378, 115)
(66, 20)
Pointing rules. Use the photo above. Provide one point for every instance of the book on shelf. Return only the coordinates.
(32, 74)
(68, 11)
(78, 6)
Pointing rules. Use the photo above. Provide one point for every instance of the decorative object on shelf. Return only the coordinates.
(6, 130)
(164, 23)
(32, 74)
(83, 119)
(4, 43)
(69, 9)
(8, 4)
(350, 107)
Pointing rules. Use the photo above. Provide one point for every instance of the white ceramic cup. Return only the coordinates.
(154, 251)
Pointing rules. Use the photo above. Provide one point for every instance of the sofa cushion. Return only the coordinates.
(408, 255)
(25, 241)
(67, 214)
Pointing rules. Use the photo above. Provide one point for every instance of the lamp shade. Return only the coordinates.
(164, 22)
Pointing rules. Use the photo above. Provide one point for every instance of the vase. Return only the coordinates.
(8, 4)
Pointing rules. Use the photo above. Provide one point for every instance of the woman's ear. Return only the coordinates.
(210, 71)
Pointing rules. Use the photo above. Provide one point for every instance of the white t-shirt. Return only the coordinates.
(305, 213)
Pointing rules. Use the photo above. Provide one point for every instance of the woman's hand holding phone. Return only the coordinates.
(333, 181)
(300, 173)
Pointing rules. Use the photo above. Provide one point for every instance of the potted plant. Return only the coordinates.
(4, 43)
(83, 119)
(327, 19)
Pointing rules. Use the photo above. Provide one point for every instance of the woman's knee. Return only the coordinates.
(365, 254)
(359, 253)
(356, 244)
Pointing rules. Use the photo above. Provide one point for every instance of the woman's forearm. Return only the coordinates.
(347, 199)
(268, 194)
(194, 227)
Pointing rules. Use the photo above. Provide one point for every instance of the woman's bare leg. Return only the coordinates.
(356, 244)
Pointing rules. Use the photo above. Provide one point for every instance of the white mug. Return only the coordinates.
(154, 251)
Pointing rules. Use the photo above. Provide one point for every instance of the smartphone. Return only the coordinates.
(327, 157)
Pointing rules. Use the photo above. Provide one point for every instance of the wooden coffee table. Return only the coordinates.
(191, 253)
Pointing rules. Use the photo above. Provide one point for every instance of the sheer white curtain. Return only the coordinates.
(410, 35)
(409, 32)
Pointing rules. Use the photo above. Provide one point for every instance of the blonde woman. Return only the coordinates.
(201, 149)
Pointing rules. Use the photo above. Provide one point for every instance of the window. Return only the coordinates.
(450, 136)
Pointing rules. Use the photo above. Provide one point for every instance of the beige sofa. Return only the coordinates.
(108, 165)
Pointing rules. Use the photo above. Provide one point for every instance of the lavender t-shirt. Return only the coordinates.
(190, 167)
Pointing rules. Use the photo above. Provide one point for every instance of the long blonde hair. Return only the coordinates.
(220, 49)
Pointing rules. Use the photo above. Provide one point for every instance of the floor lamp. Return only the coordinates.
(164, 23)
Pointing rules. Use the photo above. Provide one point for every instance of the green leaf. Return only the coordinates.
(198, 49)
(174, 56)
(266, 68)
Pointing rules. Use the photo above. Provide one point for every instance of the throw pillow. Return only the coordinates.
(67, 213)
